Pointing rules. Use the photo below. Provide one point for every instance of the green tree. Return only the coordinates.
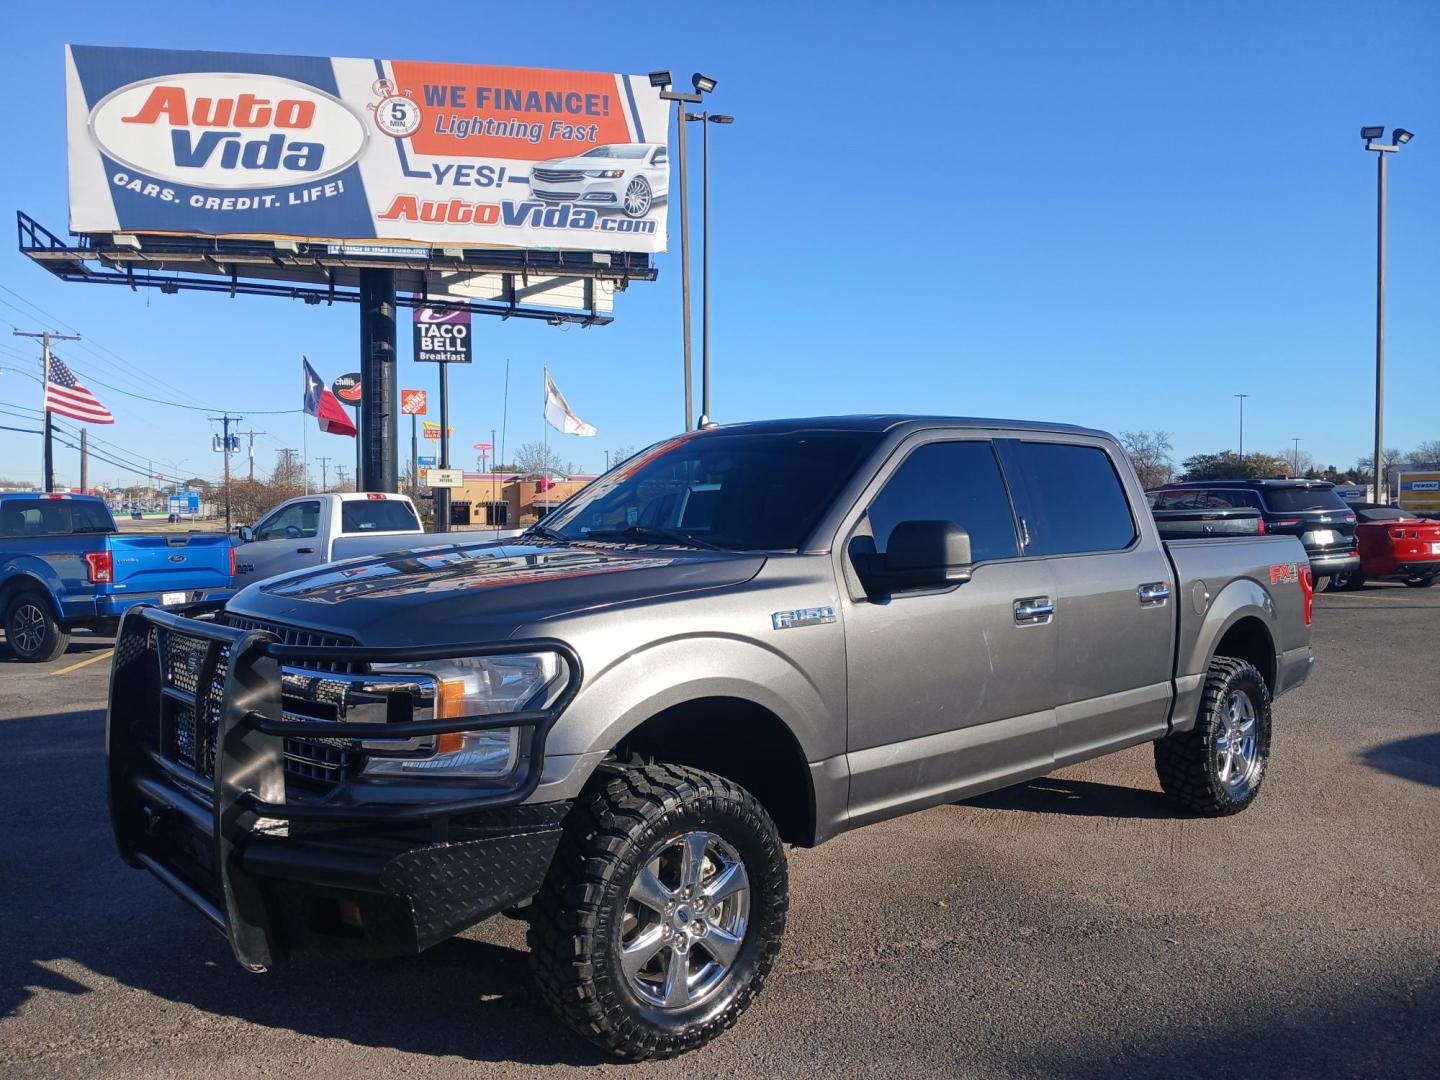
(1228, 465)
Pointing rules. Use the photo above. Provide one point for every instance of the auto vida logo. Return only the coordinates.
(227, 130)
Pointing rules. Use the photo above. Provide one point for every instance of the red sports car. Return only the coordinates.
(1394, 545)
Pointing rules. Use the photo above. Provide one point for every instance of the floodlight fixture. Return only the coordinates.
(1373, 131)
(1402, 136)
(721, 118)
(661, 79)
(703, 83)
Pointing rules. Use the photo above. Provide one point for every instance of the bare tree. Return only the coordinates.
(1426, 455)
(1149, 452)
(537, 457)
(620, 453)
(1299, 462)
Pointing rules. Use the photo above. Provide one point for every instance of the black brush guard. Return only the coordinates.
(271, 874)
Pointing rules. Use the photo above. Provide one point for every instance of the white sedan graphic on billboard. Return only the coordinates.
(631, 177)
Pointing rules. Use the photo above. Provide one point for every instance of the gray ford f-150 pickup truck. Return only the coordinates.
(743, 637)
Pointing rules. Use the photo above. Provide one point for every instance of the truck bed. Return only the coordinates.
(1274, 575)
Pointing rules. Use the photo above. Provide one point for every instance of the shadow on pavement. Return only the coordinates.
(1084, 798)
(1416, 758)
(71, 907)
(78, 647)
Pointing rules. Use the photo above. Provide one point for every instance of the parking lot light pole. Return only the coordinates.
(705, 118)
(1242, 398)
(1373, 136)
(702, 84)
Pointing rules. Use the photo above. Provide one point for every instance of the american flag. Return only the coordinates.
(65, 395)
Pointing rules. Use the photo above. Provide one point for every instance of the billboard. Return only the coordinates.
(333, 148)
(1419, 492)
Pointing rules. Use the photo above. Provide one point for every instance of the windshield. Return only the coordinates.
(742, 492)
(629, 153)
(1292, 500)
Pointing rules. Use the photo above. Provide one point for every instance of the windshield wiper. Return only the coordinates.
(646, 532)
(547, 533)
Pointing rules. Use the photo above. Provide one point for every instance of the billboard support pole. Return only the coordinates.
(414, 453)
(380, 380)
(442, 495)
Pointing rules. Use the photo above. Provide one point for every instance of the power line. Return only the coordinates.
(90, 345)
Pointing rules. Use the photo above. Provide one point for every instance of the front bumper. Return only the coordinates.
(281, 873)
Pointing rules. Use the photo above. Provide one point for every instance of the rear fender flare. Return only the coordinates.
(27, 572)
(1243, 598)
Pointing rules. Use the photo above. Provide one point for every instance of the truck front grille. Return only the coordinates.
(193, 715)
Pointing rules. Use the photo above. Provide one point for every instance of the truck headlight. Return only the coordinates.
(476, 686)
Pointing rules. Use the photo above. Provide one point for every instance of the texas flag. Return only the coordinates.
(321, 403)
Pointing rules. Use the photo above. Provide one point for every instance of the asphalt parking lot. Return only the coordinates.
(1073, 927)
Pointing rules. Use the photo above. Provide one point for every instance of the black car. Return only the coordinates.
(1309, 509)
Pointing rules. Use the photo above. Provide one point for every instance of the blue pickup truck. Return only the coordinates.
(64, 566)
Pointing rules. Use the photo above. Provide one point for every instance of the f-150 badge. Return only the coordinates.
(806, 616)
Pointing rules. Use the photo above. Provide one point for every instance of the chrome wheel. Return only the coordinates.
(637, 197)
(27, 627)
(1235, 747)
(685, 920)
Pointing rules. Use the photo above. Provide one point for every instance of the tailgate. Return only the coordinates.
(170, 562)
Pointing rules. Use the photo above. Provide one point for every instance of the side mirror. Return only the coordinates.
(925, 555)
(245, 533)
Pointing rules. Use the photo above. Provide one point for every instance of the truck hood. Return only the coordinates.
(481, 592)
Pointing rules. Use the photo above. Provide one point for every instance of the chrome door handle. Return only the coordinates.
(1154, 594)
(1033, 609)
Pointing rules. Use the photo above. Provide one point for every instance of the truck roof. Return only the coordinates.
(47, 495)
(885, 422)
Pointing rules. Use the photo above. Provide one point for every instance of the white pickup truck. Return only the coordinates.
(315, 529)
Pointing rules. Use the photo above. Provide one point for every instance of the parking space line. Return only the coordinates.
(88, 660)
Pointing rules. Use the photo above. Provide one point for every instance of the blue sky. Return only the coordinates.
(1111, 214)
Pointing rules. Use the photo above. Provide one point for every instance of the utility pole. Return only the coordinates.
(324, 472)
(84, 459)
(225, 421)
(251, 436)
(1296, 441)
(47, 336)
(287, 462)
(339, 476)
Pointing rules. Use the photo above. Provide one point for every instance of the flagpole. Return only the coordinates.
(545, 424)
(45, 404)
(304, 441)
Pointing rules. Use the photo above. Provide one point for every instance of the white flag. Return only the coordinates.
(558, 414)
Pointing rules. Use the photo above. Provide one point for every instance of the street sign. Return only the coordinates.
(348, 389)
(427, 462)
(442, 336)
(412, 402)
(442, 478)
(484, 446)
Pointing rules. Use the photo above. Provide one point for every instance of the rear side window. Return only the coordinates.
(31, 517)
(1227, 499)
(1076, 503)
(949, 481)
(89, 517)
(1293, 500)
(1173, 499)
(376, 515)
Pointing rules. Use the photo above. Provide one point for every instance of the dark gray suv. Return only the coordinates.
(1309, 509)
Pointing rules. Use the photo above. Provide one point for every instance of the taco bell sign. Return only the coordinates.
(442, 336)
